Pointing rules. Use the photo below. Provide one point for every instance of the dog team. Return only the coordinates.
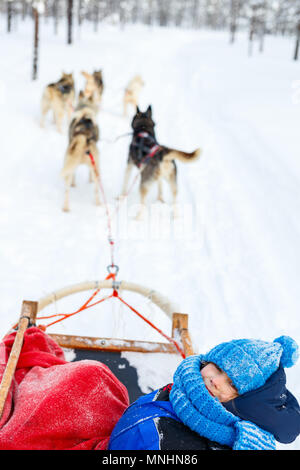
(155, 162)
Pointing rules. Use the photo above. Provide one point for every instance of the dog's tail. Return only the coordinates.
(183, 156)
(74, 155)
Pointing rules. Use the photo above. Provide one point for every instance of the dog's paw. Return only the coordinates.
(66, 209)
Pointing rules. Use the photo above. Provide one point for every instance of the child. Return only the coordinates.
(233, 397)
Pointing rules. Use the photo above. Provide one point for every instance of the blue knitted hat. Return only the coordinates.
(249, 362)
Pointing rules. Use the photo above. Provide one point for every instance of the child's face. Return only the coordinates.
(218, 383)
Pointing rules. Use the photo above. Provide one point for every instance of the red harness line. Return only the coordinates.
(109, 227)
(171, 340)
(154, 150)
(85, 306)
(115, 293)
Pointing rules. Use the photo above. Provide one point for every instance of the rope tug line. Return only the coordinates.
(112, 273)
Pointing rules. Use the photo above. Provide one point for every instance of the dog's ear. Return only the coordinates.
(85, 74)
(138, 110)
(149, 111)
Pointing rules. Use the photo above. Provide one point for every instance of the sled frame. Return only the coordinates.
(30, 309)
(179, 321)
(27, 318)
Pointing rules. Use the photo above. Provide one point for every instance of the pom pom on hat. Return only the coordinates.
(290, 351)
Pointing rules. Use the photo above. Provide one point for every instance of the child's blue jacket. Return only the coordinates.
(150, 423)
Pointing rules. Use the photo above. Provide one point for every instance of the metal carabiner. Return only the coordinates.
(111, 267)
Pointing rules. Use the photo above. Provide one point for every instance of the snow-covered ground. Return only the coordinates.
(231, 260)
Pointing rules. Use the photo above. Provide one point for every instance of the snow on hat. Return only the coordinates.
(249, 362)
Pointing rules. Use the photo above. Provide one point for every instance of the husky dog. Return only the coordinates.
(94, 85)
(156, 162)
(132, 92)
(59, 97)
(83, 135)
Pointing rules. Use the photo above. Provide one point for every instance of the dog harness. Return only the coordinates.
(62, 86)
(87, 127)
(64, 89)
(146, 146)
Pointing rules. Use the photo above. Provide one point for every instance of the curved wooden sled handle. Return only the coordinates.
(27, 317)
(179, 321)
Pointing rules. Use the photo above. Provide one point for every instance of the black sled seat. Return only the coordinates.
(120, 367)
(109, 352)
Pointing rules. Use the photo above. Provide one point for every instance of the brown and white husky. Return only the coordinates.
(94, 85)
(83, 137)
(132, 92)
(58, 97)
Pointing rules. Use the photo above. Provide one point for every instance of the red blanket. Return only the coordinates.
(55, 404)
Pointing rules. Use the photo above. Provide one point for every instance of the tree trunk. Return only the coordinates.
(135, 13)
(36, 43)
(149, 13)
(122, 18)
(96, 15)
(195, 13)
(263, 21)
(251, 35)
(262, 38)
(232, 32)
(163, 13)
(55, 15)
(234, 13)
(70, 21)
(24, 9)
(296, 53)
(9, 16)
(79, 13)
(46, 12)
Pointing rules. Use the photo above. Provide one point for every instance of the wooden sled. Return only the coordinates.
(106, 350)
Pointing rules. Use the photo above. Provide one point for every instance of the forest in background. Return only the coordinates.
(257, 18)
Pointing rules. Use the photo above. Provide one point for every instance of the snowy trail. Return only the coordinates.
(261, 194)
(231, 261)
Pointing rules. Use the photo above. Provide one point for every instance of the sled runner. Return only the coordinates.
(105, 350)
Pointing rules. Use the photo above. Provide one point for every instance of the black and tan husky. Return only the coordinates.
(83, 137)
(156, 162)
(58, 97)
